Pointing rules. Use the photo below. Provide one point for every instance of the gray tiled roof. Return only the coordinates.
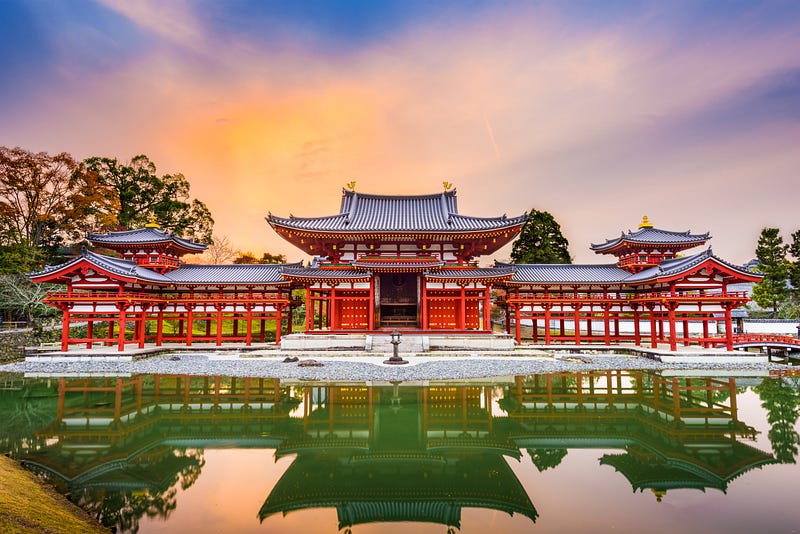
(185, 275)
(470, 274)
(678, 265)
(609, 274)
(385, 213)
(326, 274)
(653, 236)
(362, 264)
(126, 268)
(144, 236)
(258, 273)
(568, 273)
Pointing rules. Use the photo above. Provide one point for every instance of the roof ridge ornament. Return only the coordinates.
(447, 185)
(351, 185)
(645, 223)
(152, 223)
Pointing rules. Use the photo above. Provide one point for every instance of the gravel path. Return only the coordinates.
(362, 368)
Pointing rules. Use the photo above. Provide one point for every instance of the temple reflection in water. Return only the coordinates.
(121, 446)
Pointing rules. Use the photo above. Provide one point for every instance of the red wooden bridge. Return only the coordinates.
(742, 341)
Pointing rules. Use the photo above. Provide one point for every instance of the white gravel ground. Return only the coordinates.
(367, 368)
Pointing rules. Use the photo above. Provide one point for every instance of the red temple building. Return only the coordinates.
(396, 262)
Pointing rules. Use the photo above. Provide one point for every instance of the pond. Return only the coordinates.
(627, 451)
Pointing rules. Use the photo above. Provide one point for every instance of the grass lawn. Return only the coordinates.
(28, 505)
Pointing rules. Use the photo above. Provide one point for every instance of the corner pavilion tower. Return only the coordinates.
(397, 262)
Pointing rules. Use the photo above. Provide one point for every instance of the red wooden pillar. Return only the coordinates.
(517, 330)
(89, 333)
(190, 324)
(637, 334)
(487, 308)
(121, 337)
(219, 307)
(728, 328)
(705, 332)
(160, 325)
(371, 305)
(653, 332)
(576, 318)
(607, 324)
(141, 325)
(334, 319)
(65, 330)
(686, 332)
(278, 322)
(508, 317)
(309, 309)
(462, 313)
(547, 306)
(673, 335)
(248, 336)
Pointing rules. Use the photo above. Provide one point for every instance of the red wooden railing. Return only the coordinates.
(765, 339)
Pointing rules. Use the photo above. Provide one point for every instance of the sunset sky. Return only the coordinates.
(599, 112)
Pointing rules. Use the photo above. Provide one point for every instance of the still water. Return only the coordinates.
(622, 451)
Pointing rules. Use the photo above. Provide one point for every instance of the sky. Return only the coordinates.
(598, 112)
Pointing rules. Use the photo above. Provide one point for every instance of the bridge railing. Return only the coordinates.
(757, 339)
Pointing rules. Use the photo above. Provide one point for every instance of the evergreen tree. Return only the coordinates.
(541, 241)
(794, 268)
(772, 291)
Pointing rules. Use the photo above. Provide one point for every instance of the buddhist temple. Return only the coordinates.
(398, 262)
(407, 262)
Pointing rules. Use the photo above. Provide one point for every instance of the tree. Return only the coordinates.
(143, 195)
(794, 268)
(47, 201)
(540, 241)
(249, 258)
(219, 251)
(772, 291)
(20, 296)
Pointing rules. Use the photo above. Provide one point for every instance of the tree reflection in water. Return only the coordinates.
(781, 398)
(123, 508)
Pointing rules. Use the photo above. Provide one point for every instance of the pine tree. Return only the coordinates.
(772, 291)
(541, 241)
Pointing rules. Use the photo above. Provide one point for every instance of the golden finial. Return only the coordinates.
(447, 186)
(659, 494)
(152, 223)
(645, 222)
(351, 185)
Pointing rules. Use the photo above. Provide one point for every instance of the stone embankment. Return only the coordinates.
(13, 342)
